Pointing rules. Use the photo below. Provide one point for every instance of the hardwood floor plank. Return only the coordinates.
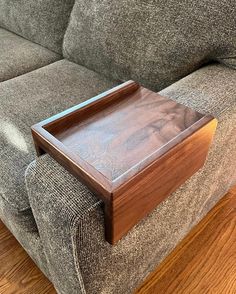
(18, 273)
(205, 261)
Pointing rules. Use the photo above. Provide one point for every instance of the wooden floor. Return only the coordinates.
(18, 273)
(204, 262)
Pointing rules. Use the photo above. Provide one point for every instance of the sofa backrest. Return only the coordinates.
(154, 42)
(41, 21)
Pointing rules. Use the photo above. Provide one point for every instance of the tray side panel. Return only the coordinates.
(136, 199)
(90, 107)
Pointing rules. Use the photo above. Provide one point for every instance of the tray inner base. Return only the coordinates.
(115, 139)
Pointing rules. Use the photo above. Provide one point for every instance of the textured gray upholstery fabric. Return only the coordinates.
(23, 227)
(152, 42)
(70, 218)
(28, 99)
(43, 22)
(19, 56)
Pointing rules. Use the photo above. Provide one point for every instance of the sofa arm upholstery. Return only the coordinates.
(59, 206)
(70, 218)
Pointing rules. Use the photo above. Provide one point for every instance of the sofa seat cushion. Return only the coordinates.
(28, 99)
(19, 56)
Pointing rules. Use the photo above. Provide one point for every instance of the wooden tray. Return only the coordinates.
(130, 146)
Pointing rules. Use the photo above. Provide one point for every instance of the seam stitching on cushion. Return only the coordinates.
(24, 209)
(76, 224)
(226, 57)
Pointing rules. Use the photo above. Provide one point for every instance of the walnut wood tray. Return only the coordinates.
(130, 146)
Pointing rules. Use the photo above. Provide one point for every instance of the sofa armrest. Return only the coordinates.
(59, 205)
(70, 218)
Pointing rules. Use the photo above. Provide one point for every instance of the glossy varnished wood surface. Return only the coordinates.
(122, 135)
(113, 136)
(135, 199)
(205, 261)
(130, 146)
(18, 273)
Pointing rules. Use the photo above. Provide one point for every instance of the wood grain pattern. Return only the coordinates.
(121, 136)
(136, 198)
(205, 261)
(131, 146)
(18, 273)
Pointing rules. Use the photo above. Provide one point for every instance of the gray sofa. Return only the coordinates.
(57, 53)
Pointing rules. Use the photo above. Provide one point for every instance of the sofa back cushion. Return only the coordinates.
(41, 21)
(154, 42)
